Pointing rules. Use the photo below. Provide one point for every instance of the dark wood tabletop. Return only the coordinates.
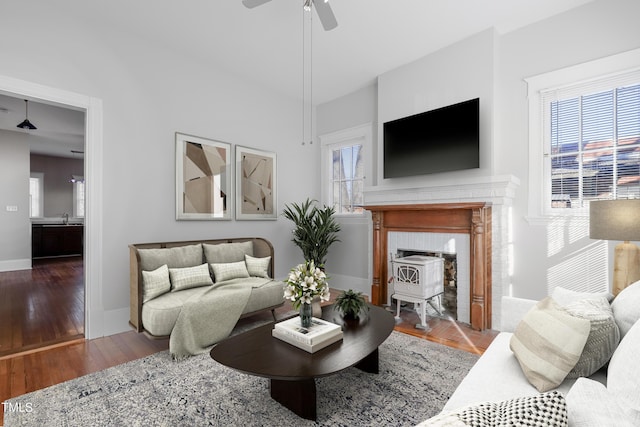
(256, 352)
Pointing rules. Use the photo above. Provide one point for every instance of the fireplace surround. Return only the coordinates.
(479, 207)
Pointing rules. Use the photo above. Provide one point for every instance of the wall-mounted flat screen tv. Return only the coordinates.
(441, 140)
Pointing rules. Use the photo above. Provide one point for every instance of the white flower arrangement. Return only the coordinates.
(306, 281)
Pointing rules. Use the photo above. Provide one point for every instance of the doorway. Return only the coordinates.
(42, 279)
(94, 312)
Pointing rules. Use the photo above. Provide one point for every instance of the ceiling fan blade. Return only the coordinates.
(253, 3)
(327, 18)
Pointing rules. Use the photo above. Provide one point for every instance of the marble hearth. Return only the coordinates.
(479, 208)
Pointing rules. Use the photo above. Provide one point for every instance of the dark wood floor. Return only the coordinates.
(42, 306)
(33, 369)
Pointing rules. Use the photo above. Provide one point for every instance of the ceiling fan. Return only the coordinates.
(323, 9)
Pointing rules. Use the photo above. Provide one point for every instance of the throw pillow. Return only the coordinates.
(227, 252)
(548, 343)
(155, 283)
(229, 270)
(623, 374)
(565, 296)
(590, 404)
(180, 256)
(603, 336)
(626, 308)
(547, 409)
(257, 267)
(189, 277)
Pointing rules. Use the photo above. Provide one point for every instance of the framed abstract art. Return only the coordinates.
(255, 184)
(203, 178)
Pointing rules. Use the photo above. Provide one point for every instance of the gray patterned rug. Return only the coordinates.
(416, 378)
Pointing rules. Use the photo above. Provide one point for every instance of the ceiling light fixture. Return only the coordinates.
(26, 124)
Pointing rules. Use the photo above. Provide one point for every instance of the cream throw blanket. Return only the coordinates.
(208, 318)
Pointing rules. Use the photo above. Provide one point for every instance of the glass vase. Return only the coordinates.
(306, 313)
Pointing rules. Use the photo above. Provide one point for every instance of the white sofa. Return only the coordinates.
(610, 397)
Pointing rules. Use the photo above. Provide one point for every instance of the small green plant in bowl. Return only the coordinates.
(351, 304)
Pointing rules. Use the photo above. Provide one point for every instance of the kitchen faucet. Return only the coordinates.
(65, 218)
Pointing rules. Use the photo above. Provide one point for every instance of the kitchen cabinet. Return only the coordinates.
(51, 240)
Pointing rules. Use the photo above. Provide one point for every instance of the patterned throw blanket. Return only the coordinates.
(210, 317)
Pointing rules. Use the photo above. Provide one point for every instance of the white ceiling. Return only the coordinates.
(264, 44)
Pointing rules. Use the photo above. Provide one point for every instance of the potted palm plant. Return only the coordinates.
(316, 229)
(351, 304)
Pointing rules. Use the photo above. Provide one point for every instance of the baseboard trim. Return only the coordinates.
(342, 283)
(15, 264)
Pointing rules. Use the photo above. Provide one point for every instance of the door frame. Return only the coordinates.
(93, 171)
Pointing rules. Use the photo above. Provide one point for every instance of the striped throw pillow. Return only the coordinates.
(548, 343)
(229, 270)
(190, 277)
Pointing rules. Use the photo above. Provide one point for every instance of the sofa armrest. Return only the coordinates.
(513, 310)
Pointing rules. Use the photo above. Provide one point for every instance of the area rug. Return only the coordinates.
(416, 378)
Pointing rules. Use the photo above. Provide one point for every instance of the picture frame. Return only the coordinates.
(256, 189)
(203, 178)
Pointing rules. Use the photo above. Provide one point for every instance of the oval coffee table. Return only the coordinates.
(292, 371)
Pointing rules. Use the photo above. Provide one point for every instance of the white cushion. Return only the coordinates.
(155, 283)
(257, 267)
(548, 343)
(626, 308)
(590, 404)
(189, 277)
(603, 335)
(229, 270)
(623, 374)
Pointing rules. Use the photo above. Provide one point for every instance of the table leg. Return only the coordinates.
(370, 363)
(297, 396)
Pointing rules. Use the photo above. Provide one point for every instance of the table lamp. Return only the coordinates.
(618, 220)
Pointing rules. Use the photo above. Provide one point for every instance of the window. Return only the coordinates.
(345, 165)
(593, 146)
(78, 198)
(36, 194)
(584, 136)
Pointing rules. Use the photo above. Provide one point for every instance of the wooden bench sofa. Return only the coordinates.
(168, 305)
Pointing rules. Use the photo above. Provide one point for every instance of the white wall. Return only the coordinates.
(15, 226)
(493, 66)
(148, 93)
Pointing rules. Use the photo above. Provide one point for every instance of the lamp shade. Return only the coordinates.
(615, 220)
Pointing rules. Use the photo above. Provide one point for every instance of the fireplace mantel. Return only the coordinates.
(469, 218)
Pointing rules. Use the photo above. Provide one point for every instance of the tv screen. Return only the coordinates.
(441, 140)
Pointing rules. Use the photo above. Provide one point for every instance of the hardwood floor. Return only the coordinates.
(34, 369)
(42, 306)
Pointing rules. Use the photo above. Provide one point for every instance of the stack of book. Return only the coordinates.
(319, 335)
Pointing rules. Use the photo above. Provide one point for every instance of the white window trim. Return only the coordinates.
(362, 134)
(538, 214)
(76, 210)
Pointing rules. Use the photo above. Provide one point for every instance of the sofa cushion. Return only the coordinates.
(229, 270)
(623, 374)
(227, 252)
(180, 256)
(160, 314)
(257, 267)
(626, 308)
(590, 404)
(548, 343)
(155, 283)
(603, 335)
(189, 277)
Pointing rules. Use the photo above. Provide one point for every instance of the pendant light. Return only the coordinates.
(26, 124)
